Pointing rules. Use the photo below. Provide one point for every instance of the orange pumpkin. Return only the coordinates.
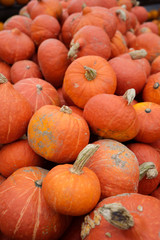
(16, 155)
(38, 92)
(90, 40)
(141, 13)
(43, 27)
(125, 216)
(23, 23)
(151, 91)
(15, 112)
(15, 45)
(86, 77)
(73, 189)
(112, 116)
(24, 69)
(52, 127)
(129, 72)
(148, 114)
(53, 62)
(113, 163)
(147, 154)
(31, 218)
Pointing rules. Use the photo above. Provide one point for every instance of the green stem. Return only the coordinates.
(148, 170)
(90, 73)
(66, 109)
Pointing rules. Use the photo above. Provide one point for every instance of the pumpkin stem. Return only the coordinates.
(38, 183)
(138, 54)
(90, 73)
(148, 170)
(72, 53)
(28, 67)
(117, 215)
(135, 3)
(3, 79)
(156, 85)
(39, 88)
(84, 5)
(129, 95)
(83, 157)
(121, 14)
(66, 109)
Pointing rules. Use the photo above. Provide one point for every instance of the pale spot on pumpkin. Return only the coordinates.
(107, 234)
(140, 208)
(76, 85)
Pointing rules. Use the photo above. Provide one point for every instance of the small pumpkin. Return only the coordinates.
(73, 189)
(125, 216)
(16, 155)
(112, 116)
(52, 127)
(38, 92)
(53, 62)
(15, 110)
(151, 91)
(31, 218)
(146, 154)
(86, 77)
(113, 163)
(24, 69)
(148, 114)
(43, 27)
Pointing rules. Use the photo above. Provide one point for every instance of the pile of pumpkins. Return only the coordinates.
(80, 122)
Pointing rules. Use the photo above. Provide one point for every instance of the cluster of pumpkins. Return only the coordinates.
(80, 122)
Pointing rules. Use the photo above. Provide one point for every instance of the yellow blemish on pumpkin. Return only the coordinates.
(140, 208)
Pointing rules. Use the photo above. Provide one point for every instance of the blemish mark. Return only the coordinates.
(76, 85)
(140, 208)
(107, 234)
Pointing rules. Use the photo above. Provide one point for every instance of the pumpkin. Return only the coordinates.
(97, 16)
(38, 92)
(77, 5)
(129, 72)
(151, 25)
(2, 179)
(113, 163)
(31, 218)
(142, 30)
(52, 127)
(53, 62)
(49, 7)
(16, 155)
(151, 91)
(112, 116)
(86, 77)
(15, 45)
(76, 110)
(143, 42)
(90, 40)
(118, 45)
(5, 69)
(146, 154)
(23, 23)
(125, 216)
(148, 114)
(24, 69)
(141, 13)
(15, 112)
(155, 65)
(43, 27)
(73, 189)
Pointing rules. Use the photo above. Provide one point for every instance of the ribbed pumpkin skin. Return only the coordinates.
(31, 218)
(142, 228)
(149, 123)
(116, 167)
(80, 89)
(15, 46)
(15, 114)
(16, 155)
(151, 91)
(146, 153)
(38, 92)
(53, 62)
(110, 116)
(23, 23)
(24, 69)
(57, 136)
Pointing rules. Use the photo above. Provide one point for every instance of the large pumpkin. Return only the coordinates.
(86, 77)
(112, 116)
(22, 202)
(15, 112)
(57, 134)
(125, 217)
(113, 163)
